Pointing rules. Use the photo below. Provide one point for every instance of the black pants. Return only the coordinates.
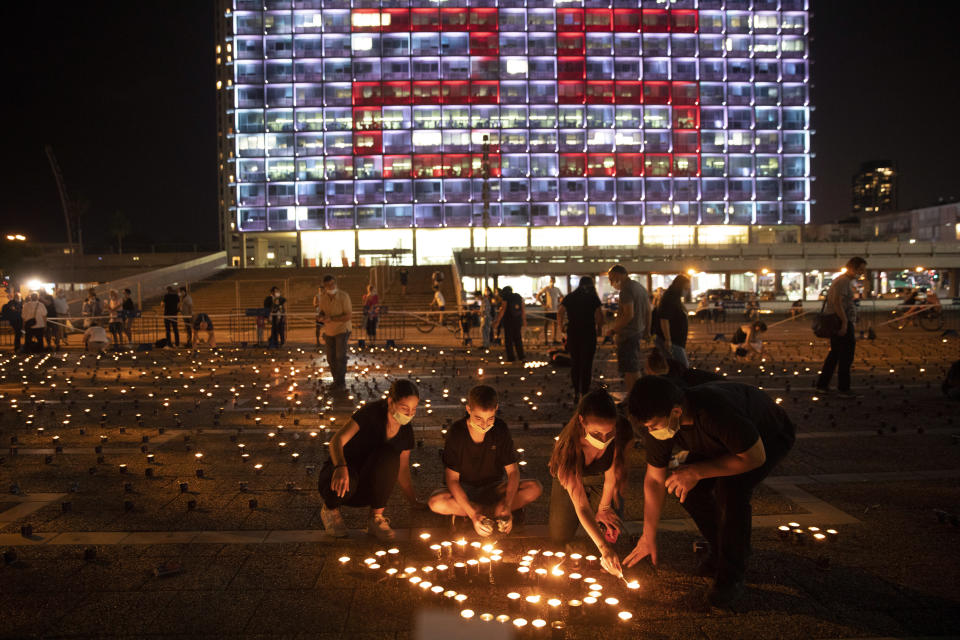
(170, 324)
(513, 339)
(841, 353)
(188, 328)
(277, 333)
(370, 483)
(721, 508)
(34, 340)
(582, 348)
(17, 328)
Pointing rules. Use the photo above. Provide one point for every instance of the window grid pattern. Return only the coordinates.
(379, 113)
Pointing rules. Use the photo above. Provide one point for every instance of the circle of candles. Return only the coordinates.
(625, 616)
(466, 613)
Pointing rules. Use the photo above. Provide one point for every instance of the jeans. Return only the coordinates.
(170, 324)
(513, 339)
(582, 348)
(676, 352)
(278, 333)
(563, 515)
(336, 350)
(188, 328)
(721, 508)
(17, 328)
(841, 353)
(486, 331)
(371, 483)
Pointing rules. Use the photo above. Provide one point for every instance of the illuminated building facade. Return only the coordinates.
(875, 188)
(352, 129)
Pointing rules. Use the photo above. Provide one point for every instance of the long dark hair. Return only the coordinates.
(566, 462)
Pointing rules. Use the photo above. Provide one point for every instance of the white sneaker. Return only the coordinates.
(379, 527)
(333, 522)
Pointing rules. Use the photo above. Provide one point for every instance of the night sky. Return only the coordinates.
(124, 91)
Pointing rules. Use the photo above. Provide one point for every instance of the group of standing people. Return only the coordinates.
(177, 306)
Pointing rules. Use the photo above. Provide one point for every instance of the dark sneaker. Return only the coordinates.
(707, 567)
(724, 594)
(821, 391)
(848, 395)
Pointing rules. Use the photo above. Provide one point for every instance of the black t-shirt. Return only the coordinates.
(372, 420)
(688, 376)
(600, 465)
(672, 310)
(483, 462)
(581, 305)
(514, 312)
(171, 303)
(728, 417)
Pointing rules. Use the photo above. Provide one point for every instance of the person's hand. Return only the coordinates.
(646, 546)
(609, 518)
(340, 482)
(482, 525)
(681, 482)
(610, 562)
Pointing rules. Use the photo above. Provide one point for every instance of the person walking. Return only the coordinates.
(670, 323)
(841, 301)
(278, 318)
(371, 312)
(486, 317)
(34, 316)
(12, 312)
(632, 323)
(336, 311)
(439, 302)
(513, 320)
(186, 311)
(550, 297)
(171, 304)
(580, 317)
(115, 324)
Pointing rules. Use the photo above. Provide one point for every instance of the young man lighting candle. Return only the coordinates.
(735, 434)
(589, 464)
(477, 454)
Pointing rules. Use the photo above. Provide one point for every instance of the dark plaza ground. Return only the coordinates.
(877, 470)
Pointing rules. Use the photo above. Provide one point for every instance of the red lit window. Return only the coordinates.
(483, 19)
(570, 44)
(395, 20)
(427, 166)
(598, 20)
(426, 92)
(456, 165)
(365, 20)
(425, 20)
(626, 20)
(484, 43)
(455, 92)
(600, 92)
(683, 21)
(573, 164)
(396, 166)
(453, 19)
(569, 19)
(484, 92)
(629, 92)
(367, 93)
(367, 118)
(685, 93)
(601, 165)
(570, 68)
(493, 160)
(656, 164)
(656, 92)
(687, 141)
(397, 92)
(630, 164)
(686, 165)
(656, 20)
(570, 92)
(686, 118)
(367, 143)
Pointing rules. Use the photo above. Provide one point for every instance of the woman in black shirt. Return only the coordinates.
(368, 455)
(589, 462)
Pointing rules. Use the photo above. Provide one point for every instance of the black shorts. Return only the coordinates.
(485, 493)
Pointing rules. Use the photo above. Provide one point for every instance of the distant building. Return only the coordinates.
(875, 187)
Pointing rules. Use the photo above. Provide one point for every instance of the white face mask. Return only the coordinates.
(597, 443)
(332, 291)
(476, 426)
(667, 432)
(401, 418)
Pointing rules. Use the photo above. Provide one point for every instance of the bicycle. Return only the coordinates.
(929, 317)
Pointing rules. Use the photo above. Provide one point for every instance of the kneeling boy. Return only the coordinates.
(478, 452)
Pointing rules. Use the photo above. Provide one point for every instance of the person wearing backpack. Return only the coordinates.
(513, 319)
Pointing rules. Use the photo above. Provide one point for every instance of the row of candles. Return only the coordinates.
(793, 532)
